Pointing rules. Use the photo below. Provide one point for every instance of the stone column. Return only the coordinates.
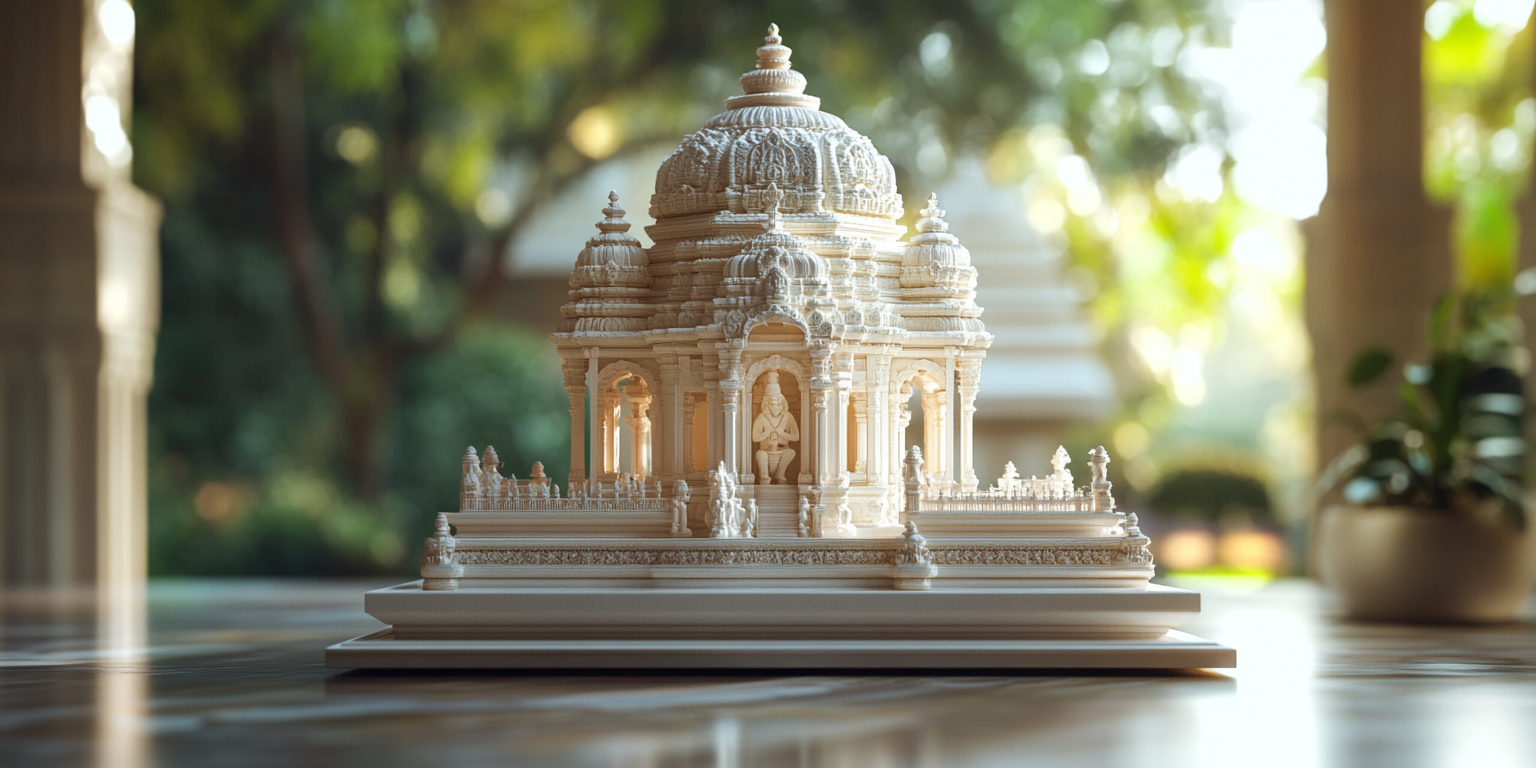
(877, 379)
(969, 375)
(611, 416)
(687, 435)
(669, 462)
(1378, 253)
(901, 417)
(594, 419)
(640, 435)
(574, 374)
(79, 303)
(823, 394)
(844, 380)
(860, 433)
(948, 433)
(730, 405)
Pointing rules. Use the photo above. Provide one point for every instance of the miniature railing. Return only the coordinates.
(1023, 500)
(483, 489)
(1013, 494)
(578, 503)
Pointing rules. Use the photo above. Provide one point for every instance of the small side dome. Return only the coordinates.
(934, 258)
(611, 280)
(613, 257)
(775, 249)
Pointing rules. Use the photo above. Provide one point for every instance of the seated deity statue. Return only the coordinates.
(773, 430)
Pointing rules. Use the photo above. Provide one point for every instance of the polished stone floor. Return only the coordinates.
(231, 675)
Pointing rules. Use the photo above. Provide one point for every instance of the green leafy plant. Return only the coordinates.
(1457, 440)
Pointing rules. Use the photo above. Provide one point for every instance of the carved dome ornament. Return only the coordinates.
(775, 134)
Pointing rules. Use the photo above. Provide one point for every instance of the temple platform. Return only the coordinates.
(787, 626)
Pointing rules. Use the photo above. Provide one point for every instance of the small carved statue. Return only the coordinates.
(1098, 458)
(773, 430)
(1059, 463)
(1009, 482)
(680, 509)
(804, 529)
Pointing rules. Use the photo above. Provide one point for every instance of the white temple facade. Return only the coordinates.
(762, 359)
(778, 273)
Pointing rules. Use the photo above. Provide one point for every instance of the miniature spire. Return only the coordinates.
(935, 258)
(933, 217)
(615, 215)
(443, 531)
(772, 82)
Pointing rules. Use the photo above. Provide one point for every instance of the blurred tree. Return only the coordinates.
(345, 180)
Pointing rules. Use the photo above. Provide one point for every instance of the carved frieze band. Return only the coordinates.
(991, 555)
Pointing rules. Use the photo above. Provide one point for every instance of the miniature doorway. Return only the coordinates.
(626, 427)
(921, 421)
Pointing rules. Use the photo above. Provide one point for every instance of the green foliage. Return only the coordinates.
(1458, 439)
(1369, 365)
(1212, 496)
(1479, 123)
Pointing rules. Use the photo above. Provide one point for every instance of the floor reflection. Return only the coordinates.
(231, 673)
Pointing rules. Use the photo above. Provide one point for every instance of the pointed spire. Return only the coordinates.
(932, 217)
(772, 82)
(615, 215)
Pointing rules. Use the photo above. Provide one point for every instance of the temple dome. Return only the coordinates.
(610, 281)
(934, 258)
(775, 134)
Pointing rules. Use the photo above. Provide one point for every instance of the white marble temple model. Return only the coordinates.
(767, 348)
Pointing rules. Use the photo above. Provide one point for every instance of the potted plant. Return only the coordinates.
(1433, 527)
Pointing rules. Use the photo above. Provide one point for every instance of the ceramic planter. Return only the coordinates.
(1424, 565)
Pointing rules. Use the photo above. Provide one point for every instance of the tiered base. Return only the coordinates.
(1175, 650)
(598, 627)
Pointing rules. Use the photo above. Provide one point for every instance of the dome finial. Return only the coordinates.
(933, 217)
(772, 82)
(614, 213)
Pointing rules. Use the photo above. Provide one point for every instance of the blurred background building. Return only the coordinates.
(370, 210)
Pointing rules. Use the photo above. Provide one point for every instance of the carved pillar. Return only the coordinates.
(823, 390)
(948, 433)
(877, 380)
(594, 422)
(669, 462)
(900, 417)
(639, 434)
(935, 432)
(688, 464)
(611, 417)
(730, 406)
(844, 381)
(860, 432)
(573, 372)
(969, 385)
(713, 454)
